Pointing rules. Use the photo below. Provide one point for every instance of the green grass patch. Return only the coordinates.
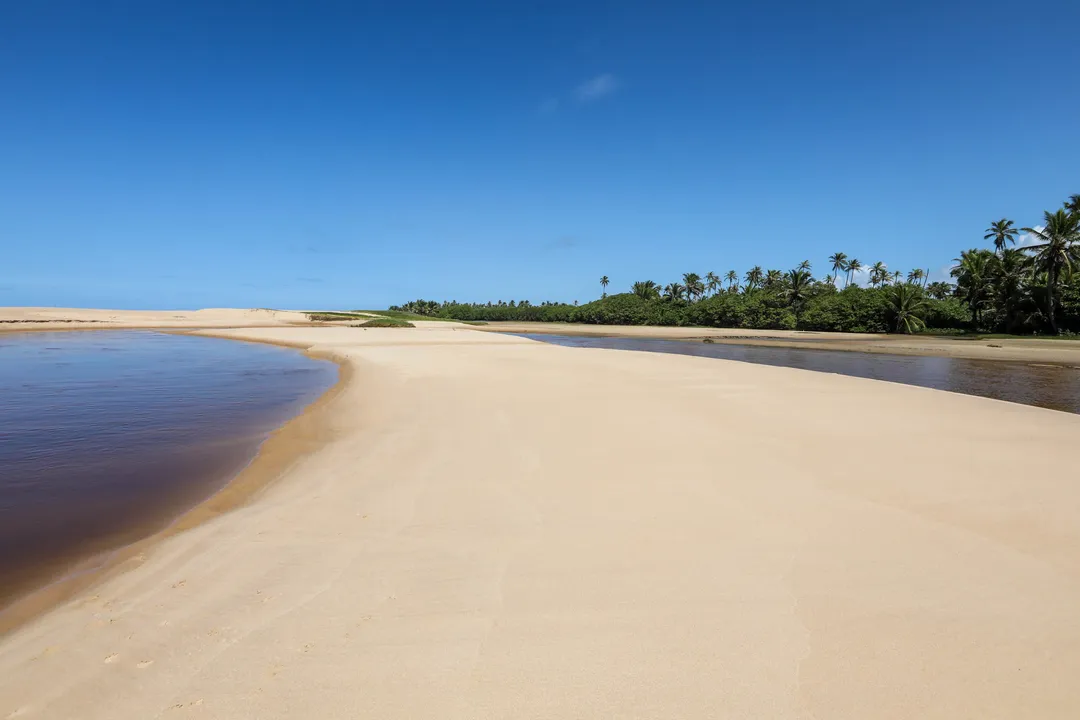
(413, 316)
(332, 316)
(385, 322)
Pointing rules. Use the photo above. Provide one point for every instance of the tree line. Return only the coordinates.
(1020, 290)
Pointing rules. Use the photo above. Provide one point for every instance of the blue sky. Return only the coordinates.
(357, 154)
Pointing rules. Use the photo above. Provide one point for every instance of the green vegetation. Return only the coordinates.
(427, 314)
(332, 316)
(1019, 291)
(385, 322)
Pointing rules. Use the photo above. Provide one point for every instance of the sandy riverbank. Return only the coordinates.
(1030, 350)
(19, 319)
(484, 526)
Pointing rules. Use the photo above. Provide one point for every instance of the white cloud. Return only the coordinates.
(597, 87)
(1027, 239)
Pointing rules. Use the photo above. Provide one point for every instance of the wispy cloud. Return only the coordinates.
(598, 87)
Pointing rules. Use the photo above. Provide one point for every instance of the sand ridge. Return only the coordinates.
(502, 528)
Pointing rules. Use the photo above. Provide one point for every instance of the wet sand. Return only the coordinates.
(484, 526)
(1053, 351)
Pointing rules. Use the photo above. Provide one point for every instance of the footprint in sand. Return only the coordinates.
(144, 664)
(111, 658)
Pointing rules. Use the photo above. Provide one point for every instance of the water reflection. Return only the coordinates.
(1045, 386)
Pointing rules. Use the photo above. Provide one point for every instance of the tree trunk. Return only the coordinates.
(1051, 280)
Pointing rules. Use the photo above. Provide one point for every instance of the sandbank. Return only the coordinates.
(486, 526)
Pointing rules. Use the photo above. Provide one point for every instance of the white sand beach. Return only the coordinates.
(480, 526)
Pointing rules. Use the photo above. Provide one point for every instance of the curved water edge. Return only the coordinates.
(111, 436)
(1047, 386)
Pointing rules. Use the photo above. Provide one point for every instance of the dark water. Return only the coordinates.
(105, 437)
(1057, 388)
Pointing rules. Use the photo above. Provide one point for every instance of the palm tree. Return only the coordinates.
(907, 306)
(1010, 273)
(1056, 253)
(604, 283)
(839, 262)
(674, 292)
(896, 277)
(915, 276)
(804, 265)
(939, 290)
(799, 282)
(853, 266)
(773, 278)
(646, 289)
(878, 273)
(712, 282)
(753, 278)
(694, 286)
(973, 272)
(732, 278)
(1002, 232)
(1072, 205)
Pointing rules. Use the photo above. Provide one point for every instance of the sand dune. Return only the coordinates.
(67, 318)
(495, 528)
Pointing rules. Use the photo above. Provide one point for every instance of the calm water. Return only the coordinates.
(1056, 388)
(105, 437)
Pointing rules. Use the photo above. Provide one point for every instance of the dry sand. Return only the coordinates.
(1054, 351)
(496, 528)
(31, 318)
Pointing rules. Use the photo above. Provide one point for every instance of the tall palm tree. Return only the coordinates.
(915, 276)
(772, 279)
(853, 266)
(974, 273)
(896, 277)
(1072, 205)
(804, 265)
(674, 291)
(753, 278)
(712, 282)
(907, 306)
(1010, 273)
(646, 289)
(604, 283)
(799, 282)
(878, 273)
(694, 286)
(1055, 254)
(1002, 232)
(839, 262)
(732, 278)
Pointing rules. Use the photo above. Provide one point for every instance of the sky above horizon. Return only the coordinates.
(361, 154)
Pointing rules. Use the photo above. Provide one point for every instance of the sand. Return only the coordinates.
(1053, 351)
(31, 318)
(497, 528)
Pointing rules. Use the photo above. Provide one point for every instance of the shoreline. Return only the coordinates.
(1052, 351)
(487, 522)
(281, 448)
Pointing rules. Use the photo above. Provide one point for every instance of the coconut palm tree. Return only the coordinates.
(915, 276)
(712, 282)
(674, 292)
(896, 277)
(732, 278)
(839, 262)
(1072, 205)
(694, 287)
(907, 306)
(804, 265)
(1009, 284)
(603, 284)
(1057, 251)
(646, 289)
(799, 282)
(1002, 232)
(878, 273)
(974, 273)
(853, 266)
(772, 279)
(753, 278)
